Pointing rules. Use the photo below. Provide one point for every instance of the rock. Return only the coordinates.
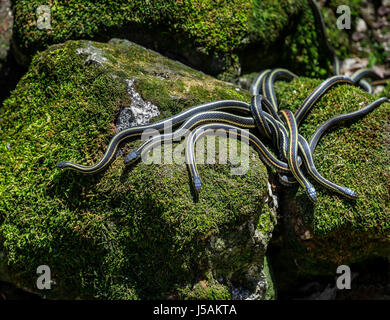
(245, 80)
(329, 293)
(9, 72)
(127, 233)
(378, 89)
(383, 11)
(361, 26)
(93, 55)
(380, 25)
(358, 36)
(140, 112)
(355, 155)
(368, 12)
(5, 29)
(379, 70)
(351, 65)
(219, 38)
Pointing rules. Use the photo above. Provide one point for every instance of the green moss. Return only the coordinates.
(303, 52)
(127, 233)
(386, 90)
(215, 26)
(270, 19)
(205, 290)
(289, 38)
(271, 290)
(266, 220)
(340, 39)
(353, 155)
(218, 37)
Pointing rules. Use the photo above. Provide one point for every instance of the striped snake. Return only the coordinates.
(260, 119)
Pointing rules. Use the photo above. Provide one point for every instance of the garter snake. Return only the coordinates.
(160, 125)
(264, 116)
(267, 157)
(194, 121)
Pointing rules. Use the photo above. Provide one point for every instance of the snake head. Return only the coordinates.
(312, 193)
(131, 157)
(350, 193)
(197, 183)
(61, 164)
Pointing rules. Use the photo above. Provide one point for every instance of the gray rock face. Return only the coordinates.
(6, 19)
(93, 55)
(7, 63)
(139, 113)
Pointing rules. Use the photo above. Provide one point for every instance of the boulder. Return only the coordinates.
(316, 238)
(130, 232)
(137, 232)
(9, 70)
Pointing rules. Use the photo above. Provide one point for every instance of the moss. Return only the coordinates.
(270, 19)
(205, 290)
(386, 90)
(289, 38)
(127, 233)
(289, 31)
(303, 52)
(303, 48)
(341, 39)
(215, 26)
(218, 37)
(353, 155)
(271, 290)
(266, 220)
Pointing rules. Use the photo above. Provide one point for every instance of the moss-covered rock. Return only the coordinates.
(127, 233)
(335, 231)
(218, 37)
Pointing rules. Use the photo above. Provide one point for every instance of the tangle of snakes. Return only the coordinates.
(262, 116)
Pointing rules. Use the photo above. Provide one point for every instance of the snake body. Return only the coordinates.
(292, 156)
(262, 120)
(160, 125)
(194, 121)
